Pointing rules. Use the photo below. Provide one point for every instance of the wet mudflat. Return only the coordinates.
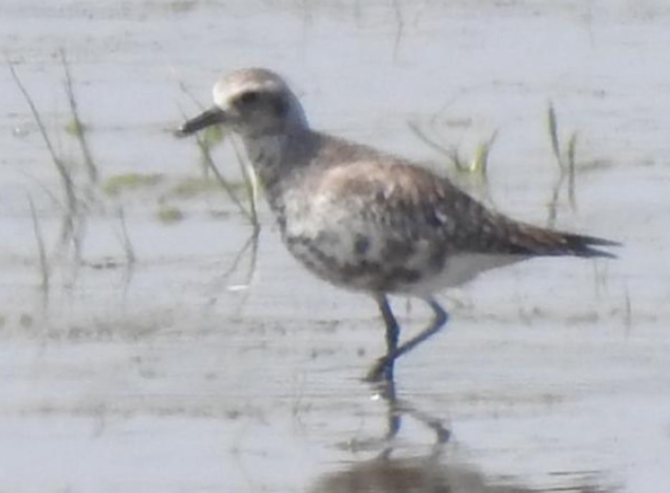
(156, 350)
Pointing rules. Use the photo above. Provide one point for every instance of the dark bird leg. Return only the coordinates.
(383, 368)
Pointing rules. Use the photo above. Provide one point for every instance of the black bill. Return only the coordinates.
(206, 119)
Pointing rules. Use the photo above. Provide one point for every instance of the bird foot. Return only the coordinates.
(381, 370)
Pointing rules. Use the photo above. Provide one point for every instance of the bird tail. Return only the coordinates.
(585, 246)
(531, 240)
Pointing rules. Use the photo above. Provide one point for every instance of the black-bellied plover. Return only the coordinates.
(367, 220)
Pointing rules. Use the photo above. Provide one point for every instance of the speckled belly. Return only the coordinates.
(368, 262)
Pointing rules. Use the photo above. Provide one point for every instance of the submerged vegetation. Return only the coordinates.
(169, 214)
(195, 186)
(85, 189)
(565, 157)
(117, 184)
(75, 128)
(472, 172)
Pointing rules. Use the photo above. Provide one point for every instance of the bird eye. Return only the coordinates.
(249, 97)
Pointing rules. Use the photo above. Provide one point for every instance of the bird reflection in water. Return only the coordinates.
(432, 472)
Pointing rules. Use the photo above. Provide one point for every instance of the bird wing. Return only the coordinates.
(417, 204)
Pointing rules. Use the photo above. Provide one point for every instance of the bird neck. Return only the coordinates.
(265, 151)
(275, 156)
(273, 148)
(280, 161)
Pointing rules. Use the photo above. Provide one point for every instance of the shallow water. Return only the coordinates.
(188, 370)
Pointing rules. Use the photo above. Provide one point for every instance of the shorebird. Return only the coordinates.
(366, 220)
